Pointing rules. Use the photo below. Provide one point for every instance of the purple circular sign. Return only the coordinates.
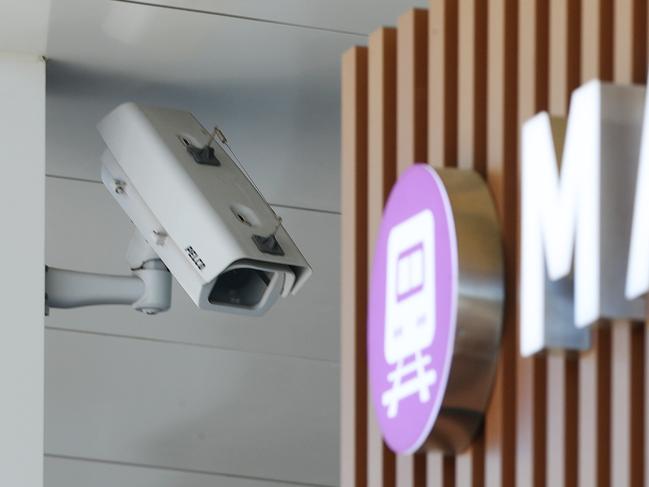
(412, 308)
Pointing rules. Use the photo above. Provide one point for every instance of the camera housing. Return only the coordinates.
(198, 210)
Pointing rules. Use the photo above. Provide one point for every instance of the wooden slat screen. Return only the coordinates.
(451, 86)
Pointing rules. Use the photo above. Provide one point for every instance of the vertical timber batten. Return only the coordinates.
(412, 122)
(382, 123)
(354, 268)
(531, 414)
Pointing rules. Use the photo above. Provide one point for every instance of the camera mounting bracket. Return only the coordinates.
(148, 289)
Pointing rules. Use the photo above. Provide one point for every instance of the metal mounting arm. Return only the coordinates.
(148, 290)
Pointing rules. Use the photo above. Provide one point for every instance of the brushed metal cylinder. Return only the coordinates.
(481, 294)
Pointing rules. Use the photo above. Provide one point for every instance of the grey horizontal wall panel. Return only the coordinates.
(86, 230)
(191, 408)
(362, 16)
(273, 90)
(66, 472)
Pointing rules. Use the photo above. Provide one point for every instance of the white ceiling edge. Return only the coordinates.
(24, 26)
(353, 17)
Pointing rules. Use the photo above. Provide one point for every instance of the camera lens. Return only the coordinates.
(240, 287)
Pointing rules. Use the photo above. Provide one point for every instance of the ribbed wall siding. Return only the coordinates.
(451, 86)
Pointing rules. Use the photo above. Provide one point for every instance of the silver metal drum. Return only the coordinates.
(479, 315)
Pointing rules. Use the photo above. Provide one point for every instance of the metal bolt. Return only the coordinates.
(159, 237)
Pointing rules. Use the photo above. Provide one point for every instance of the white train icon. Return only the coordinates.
(410, 310)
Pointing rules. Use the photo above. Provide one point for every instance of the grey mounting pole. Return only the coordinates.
(72, 289)
(148, 290)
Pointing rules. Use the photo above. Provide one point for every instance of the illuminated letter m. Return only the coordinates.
(577, 196)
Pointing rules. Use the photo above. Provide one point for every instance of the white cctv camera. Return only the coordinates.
(197, 212)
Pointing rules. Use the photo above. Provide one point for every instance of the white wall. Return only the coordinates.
(191, 396)
(214, 396)
(22, 139)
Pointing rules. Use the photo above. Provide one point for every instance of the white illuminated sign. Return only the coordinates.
(637, 280)
(576, 217)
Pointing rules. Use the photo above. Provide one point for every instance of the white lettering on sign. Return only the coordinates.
(637, 281)
(576, 217)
